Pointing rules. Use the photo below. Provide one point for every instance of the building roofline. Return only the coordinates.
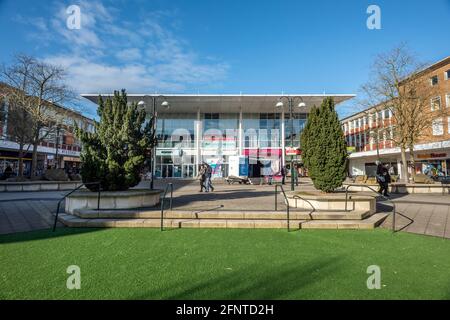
(362, 111)
(436, 65)
(78, 113)
(433, 66)
(220, 95)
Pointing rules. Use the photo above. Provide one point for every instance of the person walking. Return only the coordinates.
(8, 172)
(202, 177)
(283, 175)
(296, 175)
(208, 174)
(383, 179)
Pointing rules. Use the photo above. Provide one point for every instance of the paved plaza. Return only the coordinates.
(26, 211)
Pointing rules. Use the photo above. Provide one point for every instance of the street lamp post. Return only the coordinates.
(58, 129)
(291, 101)
(164, 104)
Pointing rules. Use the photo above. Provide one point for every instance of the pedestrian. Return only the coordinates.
(283, 174)
(8, 172)
(208, 174)
(383, 179)
(201, 177)
(295, 175)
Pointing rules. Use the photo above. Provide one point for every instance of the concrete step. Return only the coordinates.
(222, 214)
(369, 223)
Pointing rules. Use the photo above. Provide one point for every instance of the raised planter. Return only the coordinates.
(27, 186)
(129, 199)
(404, 188)
(332, 201)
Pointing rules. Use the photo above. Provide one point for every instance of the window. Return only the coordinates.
(435, 103)
(386, 114)
(438, 127)
(448, 124)
(434, 80)
(447, 74)
(447, 100)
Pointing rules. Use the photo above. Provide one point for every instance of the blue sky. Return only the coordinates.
(221, 46)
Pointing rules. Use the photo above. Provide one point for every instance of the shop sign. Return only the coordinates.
(431, 155)
(71, 159)
(293, 151)
(270, 152)
(172, 152)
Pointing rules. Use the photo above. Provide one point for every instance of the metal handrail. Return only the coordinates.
(286, 203)
(394, 211)
(162, 202)
(68, 194)
(308, 202)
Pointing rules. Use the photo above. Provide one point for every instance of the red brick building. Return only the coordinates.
(432, 152)
(59, 147)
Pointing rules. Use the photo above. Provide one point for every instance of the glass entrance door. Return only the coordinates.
(167, 171)
(188, 171)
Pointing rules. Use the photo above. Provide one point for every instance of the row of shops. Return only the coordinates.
(173, 163)
(46, 158)
(430, 159)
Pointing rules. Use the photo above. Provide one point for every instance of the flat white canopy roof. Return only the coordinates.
(226, 103)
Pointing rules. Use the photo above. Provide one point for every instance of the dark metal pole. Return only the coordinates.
(276, 191)
(291, 114)
(56, 216)
(57, 147)
(152, 156)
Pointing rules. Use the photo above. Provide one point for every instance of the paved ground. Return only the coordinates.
(25, 211)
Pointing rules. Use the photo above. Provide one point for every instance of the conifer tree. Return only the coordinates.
(115, 152)
(324, 150)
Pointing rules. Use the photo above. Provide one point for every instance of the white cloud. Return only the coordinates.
(92, 77)
(129, 54)
(108, 53)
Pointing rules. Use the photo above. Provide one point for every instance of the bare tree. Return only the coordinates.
(19, 127)
(38, 88)
(16, 80)
(399, 85)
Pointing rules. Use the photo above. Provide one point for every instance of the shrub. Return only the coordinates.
(324, 150)
(115, 153)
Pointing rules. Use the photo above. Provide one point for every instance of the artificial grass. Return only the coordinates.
(223, 264)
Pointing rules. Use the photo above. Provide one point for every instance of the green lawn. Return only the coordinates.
(223, 264)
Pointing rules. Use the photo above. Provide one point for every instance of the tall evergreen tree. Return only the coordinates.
(324, 150)
(115, 153)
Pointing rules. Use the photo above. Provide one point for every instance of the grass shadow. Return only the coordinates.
(44, 234)
(283, 280)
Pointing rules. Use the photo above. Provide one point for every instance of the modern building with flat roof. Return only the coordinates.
(237, 134)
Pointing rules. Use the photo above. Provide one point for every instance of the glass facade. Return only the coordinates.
(187, 140)
(173, 129)
(299, 124)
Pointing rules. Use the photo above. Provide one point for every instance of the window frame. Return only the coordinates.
(448, 124)
(431, 80)
(432, 104)
(435, 123)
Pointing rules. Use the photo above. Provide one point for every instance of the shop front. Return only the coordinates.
(433, 164)
(263, 162)
(175, 163)
(9, 161)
